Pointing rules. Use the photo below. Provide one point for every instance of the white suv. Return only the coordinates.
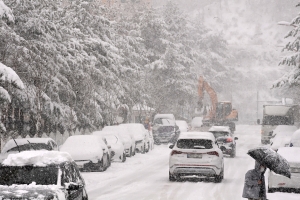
(196, 154)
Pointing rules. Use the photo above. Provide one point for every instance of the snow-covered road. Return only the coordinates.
(145, 176)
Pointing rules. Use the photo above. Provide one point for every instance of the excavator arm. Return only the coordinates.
(203, 85)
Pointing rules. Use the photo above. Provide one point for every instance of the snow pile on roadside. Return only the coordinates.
(37, 158)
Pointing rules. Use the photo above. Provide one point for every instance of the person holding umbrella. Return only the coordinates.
(254, 186)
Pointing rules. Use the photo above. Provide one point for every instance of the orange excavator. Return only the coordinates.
(221, 113)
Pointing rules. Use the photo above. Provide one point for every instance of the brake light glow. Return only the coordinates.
(175, 152)
(213, 153)
(229, 140)
(281, 184)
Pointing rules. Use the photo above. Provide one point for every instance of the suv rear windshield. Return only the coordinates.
(219, 133)
(194, 144)
(28, 174)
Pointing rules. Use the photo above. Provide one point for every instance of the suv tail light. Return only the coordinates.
(229, 140)
(175, 152)
(213, 153)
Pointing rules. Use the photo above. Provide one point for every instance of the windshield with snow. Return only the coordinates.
(28, 174)
(31, 146)
(194, 144)
(277, 120)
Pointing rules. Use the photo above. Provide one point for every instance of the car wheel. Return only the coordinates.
(84, 195)
(171, 177)
(148, 149)
(143, 149)
(101, 166)
(219, 178)
(124, 157)
(133, 152)
(271, 190)
(130, 154)
(233, 153)
(108, 161)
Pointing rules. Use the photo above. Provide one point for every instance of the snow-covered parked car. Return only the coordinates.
(278, 182)
(295, 139)
(125, 135)
(196, 153)
(165, 129)
(117, 146)
(225, 139)
(88, 152)
(41, 175)
(140, 136)
(183, 125)
(26, 144)
(282, 135)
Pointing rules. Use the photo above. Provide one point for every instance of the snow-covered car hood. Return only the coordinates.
(31, 192)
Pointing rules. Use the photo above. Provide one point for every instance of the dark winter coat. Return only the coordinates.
(252, 190)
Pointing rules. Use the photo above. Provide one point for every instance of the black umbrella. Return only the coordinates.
(271, 160)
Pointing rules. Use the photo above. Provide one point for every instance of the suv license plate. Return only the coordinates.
(194, 155)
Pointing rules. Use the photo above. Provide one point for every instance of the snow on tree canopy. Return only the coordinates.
(4, 94)
(37, 158)
(6, 12)
(10, 75)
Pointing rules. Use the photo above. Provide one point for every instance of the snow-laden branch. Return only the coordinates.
(6, 12)
(285, 23)
(8, 74)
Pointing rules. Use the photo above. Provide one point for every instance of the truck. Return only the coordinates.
(274, 115)
(221, 112)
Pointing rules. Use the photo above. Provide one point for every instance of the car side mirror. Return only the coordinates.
(236, 138)
(73, 186)
(108, 146)
(171, 146)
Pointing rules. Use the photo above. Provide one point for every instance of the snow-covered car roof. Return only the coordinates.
(197, 135)
(220, 128)
(181, 122)
(83, 147)
(11, 143)
(37, 158)
(291, 154)
(164, 116)
(296, 135)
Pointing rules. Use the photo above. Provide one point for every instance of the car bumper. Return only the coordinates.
(177, 167)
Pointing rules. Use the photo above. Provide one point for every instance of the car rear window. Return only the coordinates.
(194, 144)
(220, 133)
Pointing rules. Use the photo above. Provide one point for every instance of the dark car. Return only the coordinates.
(165, 129)
(225, 139)
(41, 175)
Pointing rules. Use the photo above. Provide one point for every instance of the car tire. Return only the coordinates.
(143, 151)
(171, 177)
(130, 152)
(219, 178)
(271, 190)
(148, 149)
(124, 157)
(233, 153)
(133, 152)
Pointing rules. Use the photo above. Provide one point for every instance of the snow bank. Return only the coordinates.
(37, 158)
